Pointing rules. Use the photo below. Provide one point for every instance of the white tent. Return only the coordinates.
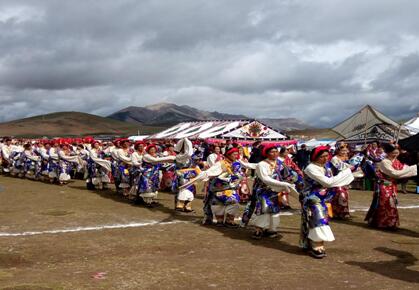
(370, 125)
(138, 138)
(413, 125)
(221, 129)
(314, 143)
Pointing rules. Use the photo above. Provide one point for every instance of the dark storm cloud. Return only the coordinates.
(315, 60)
(402, 78)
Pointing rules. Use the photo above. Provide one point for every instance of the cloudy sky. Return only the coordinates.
(318, 61)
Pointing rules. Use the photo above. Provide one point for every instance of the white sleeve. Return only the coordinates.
(215, 170)
(339, 164)
(263, 172)
(92, 153)
(386, 167)
(114, 153)
(211, 159)
(44, 154)
(150, 159)
(6, 153)
(345, 177)
(123, 157)
(74, 159)
(53, 154)
(102, 162)
(136, 159)
(31, 157)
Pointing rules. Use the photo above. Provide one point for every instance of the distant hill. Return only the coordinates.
(285, 124)
(308, 134)
(167, 114)
(170, 114)
(71, 124)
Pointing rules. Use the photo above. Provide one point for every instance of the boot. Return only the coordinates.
(230, 221)
(188, 206)
(220, 220)
(179, 205)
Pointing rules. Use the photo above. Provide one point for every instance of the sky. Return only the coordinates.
(318, 61)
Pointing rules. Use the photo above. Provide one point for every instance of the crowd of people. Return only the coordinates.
(262, 176)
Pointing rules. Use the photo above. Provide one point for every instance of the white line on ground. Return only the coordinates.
(142, 224)
(398, 207)
(84, 229)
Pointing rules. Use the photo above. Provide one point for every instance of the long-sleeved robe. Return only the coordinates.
(383, 211)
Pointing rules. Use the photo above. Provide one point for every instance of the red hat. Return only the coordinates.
(150, 146)
(268, 148)
(88, 139)
(232, 150)
(316, 152)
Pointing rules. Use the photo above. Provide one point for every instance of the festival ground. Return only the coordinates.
(67, 237)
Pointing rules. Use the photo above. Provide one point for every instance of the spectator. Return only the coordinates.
(302, 157)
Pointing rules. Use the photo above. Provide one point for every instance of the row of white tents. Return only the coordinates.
(365, 126)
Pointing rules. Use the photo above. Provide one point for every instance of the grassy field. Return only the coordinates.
(71, 238)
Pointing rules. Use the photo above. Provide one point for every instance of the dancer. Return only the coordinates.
(264, 202)
(340, 202)
(383, 211)
(318, 181)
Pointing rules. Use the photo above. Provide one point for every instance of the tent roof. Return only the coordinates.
(413, 125)
(224, 129)
(368, 123)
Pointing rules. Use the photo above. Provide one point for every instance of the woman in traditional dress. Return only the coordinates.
(215, 155)
(383, 210)
(318, 180)
(31, 162)
(292, 174)
(186, 170)
(149, 182)
(53, 166)
(137, 161)
(124, 163)
(43, 151)
(168, 169)
(264, 200)
(340, 202)
(222, 199)
(66, 163)
(98, 168)
(244, 188)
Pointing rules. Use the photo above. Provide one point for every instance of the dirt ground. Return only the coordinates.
(58, 244)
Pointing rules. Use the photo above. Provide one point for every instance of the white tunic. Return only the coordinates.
(29, 154)
(123, 156)
(153, 160)
(264, 171)
(137, 159)
(317, 173)
(387, 168)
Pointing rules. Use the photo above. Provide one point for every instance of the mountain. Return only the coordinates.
(317, 133)
(71, 124)
(166, 114)
(285, 124)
